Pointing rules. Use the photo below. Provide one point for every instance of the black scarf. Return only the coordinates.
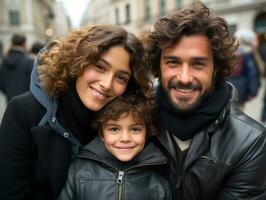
(186, 125)
(75, 117)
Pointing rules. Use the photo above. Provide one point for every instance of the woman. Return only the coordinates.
(74, 77)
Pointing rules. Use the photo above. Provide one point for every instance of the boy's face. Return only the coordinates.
(125, 137)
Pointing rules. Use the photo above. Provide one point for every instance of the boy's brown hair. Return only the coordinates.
(141, 108)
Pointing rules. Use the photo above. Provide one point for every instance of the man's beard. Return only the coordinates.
(182, 107)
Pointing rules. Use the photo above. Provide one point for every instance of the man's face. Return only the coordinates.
(187, 71)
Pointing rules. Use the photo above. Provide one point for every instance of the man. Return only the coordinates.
(214, 150)
(11, 76)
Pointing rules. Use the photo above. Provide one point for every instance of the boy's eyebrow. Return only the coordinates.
(139, 124)
(110, 124)
(133, 124)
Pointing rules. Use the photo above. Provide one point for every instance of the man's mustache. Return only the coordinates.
(178, 85)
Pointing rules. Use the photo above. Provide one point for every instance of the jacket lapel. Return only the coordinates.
(54, 155)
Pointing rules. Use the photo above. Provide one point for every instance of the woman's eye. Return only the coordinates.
(122, 79)
(99, 67)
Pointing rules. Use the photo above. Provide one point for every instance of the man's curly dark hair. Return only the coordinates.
(168, 30)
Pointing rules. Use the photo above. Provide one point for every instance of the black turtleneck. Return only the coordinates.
(186, 125)
(75, 117)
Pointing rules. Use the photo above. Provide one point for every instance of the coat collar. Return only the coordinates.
(219, 120)
(54, 155)
(50, 104)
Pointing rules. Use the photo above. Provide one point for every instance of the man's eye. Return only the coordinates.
(172, 63)
(198, 64)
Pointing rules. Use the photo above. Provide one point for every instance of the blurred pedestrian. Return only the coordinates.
(26, 65)
(11, 78)
(246, 75)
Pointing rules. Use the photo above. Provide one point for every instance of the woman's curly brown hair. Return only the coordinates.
(141, 108)
(198, 20)
(65, 59)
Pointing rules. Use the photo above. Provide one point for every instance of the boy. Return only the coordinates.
(121, 163)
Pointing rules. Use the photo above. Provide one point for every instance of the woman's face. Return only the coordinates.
(103, 81)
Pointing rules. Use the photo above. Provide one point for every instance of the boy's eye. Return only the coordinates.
(136, 129)
(113, 129)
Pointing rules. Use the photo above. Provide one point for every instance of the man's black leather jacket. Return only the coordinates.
(226, 161)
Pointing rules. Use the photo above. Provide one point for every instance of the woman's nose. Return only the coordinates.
(107, 81)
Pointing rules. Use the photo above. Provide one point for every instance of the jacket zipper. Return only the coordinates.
(121, 175)
(120, 184)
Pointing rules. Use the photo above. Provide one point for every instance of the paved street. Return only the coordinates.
(252, 108)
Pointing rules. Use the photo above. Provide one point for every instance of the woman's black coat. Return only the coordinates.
(41, 156)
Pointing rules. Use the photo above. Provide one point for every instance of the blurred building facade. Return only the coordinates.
(138, 15)
(39, 20)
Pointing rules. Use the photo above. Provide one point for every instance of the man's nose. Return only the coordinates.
(184, 75)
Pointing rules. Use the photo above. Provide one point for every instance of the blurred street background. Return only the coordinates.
(44, 20)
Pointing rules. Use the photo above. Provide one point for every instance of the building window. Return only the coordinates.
(117, 16)
(127, 13)
(147, 10)
(13, 2)
(14, 18)
(162, 7)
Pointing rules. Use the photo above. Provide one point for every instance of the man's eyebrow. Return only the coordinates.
(170, 57)
(199, 58)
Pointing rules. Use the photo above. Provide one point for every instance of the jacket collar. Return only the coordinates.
(148, 156)
(200, 141)
(50, 104)
(219, 120)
